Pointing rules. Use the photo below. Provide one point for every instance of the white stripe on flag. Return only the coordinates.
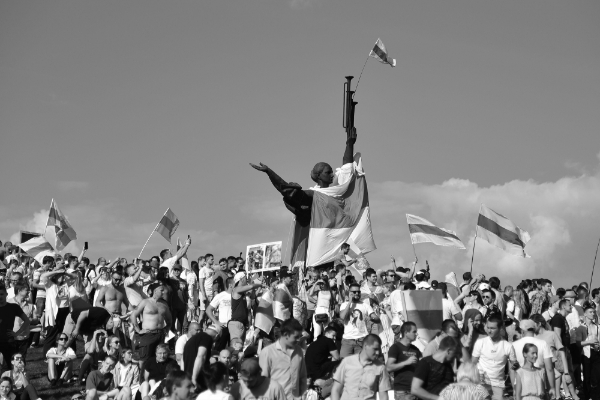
(38, 248)
(167, 225)
(423, 231)
(501, 232)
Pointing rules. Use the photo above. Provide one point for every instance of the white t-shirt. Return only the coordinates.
(207, 273)
(222, 301)
(543, 350)
(449, 309)
(180, 344)
(356, 328)
(492, 360)
(169, 263)
(396, 306)
(68, 353)
(218, 395)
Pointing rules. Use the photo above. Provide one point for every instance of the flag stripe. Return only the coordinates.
(430, 230)
(500, 231)
(380, 53)
(167, 223)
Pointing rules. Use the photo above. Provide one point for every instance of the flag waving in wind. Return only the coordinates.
(501, 232)
(38, 248)
(422, 231)
(167, 225)
(63, 229)
(380, 54)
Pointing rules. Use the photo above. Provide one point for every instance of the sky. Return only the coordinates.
(121, 109)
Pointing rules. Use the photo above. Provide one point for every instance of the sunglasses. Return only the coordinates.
(117, 342)
(63, 339)
(176, 270)
(355, 291)
(392, 275)
(486, 297)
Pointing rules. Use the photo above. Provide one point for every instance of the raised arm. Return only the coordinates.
(349, 152)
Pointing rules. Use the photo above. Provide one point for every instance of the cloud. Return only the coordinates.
(72, 185)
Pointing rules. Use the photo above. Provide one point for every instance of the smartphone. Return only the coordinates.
(85, 246)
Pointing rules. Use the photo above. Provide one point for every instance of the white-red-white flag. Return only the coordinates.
(38, 248)
(380, 54)
(167, 225)
(63, 229)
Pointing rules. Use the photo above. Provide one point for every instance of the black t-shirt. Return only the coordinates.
(239, 309)
(558, 321)
(157, 370)
(435, 376)
(190, 351)
(318, 353)
(7, 320)
(403, 377)
(98, 380)
(96, 319)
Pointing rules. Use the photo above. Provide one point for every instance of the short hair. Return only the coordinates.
(329, 329)
(405, 328)
(448, 343)
(228, 282)
(508, 288)
(595, 292)
(345, 246)
(20, 286)
(497, 319)
(208, 255)
(124, 349)
(527, 347)
(538, 319)
(354, 284)
(174, 379)
(494, 282)
(231, 258)
(163, 253)
(340, 267)
(47, 260)
(163, 346)
(560, 292)
(153, 286)
(370, 271)
(290, 327)
(215, 374)
(18, 274)
(563, 302)
(72, 258)
(370, 339)
(85, 260)
(388, 285)
(348, 280)
(468, 372)
(447, 324)
(491, 292)
(7, 379)
(544, 282)
(588, 306)
(112, 358)
(467, 276)
(222, 260)
(410, 286)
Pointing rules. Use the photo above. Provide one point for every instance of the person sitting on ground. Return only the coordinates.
(217, 379)
(225, 358)
(6, 385)
(155, 369)
(60, 361)
(94, 354)
(22, 388)
(100, 383)
(127, 373)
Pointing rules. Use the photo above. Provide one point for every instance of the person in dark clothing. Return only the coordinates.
(7, 337)
(402, 359)
(239, 308)
(196, 355)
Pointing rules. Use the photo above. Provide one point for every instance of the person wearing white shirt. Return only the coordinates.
(169, 260)
(449, 308)
(491, 354)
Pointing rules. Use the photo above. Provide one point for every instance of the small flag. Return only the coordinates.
(185, 263)
(167, 225)
(63, 229)
(38, 248)
(380, 54)
(424, 308)
(422, 231)
(501, 232)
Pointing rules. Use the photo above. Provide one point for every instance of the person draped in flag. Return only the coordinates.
(299, 201)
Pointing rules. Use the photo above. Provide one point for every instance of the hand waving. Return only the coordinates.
(261, 167)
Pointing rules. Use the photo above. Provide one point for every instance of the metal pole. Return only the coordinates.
(594, 266)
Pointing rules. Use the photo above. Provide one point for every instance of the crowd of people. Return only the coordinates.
(172, 328)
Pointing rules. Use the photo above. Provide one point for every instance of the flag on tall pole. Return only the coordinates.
(167, 225)
(380, 54)
(63, 229)
(423, 231)
(501, 232)
(38, 248)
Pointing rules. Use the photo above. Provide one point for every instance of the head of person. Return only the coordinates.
(530, 352)
(354, 290)
(371, 275)
(108, 364)
(449, 348)
(3, 295)
(156, 290)
(213, 331)
(443, 287)
(165, 254)
(566, 305)
(348, 280)
(101, 262)
(231, 261)
(493, 326)
(596, 294)
(73, 261)
(162, 352)
(468, 372)
(104, 273)
(508, 291)
(527, 327)
(217, 375)
(582, 293)
(488, 296)
(113, 343)
(209, 259)
(223, 264)
(126, 354)
(193, 329)
(177, 270)
(286, 278)
(178, 384)
(494, 283)
(6, 385)
(421, 276)
(225, 357)
(546, 285)
(18, 362)
(371, 347)
(589, 311)
(250, 372)
(117, 277)
(450, 328)
(408, 330)
(330, 333)
(475, 317)
(239, 279)
(22, 290)
(540, 322)
(467, 277)
(388, 288)
(322, 174)
(410, 286)
(47, 261)
(345, 248)
(291, 332)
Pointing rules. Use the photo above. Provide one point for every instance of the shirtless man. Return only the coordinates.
(156, 320)
(113, 297)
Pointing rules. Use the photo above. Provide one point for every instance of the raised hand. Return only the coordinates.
(261, 167)
(352, 137)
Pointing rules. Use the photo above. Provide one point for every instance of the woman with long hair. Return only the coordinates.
(472, 302)
(467, 386)
(60, 361)
(323, 307)
(6, 392)
(516, 308)
(472, 329)
(57, 303)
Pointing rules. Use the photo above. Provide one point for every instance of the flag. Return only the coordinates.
(340, 213)
(185, 263)
(167, 225)
(38, 248)
(424, 308)
(282, 303)
(63, 229)
(264, 319)
(380, 54)
(422, 231)
(501, 232)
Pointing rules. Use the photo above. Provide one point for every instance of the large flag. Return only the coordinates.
(282, 303)
(167, 225)
(38, 248)
(380, 54)
(422, 231)
(340, 213)
(501, 232)
(424, 308)
(63, 229)
(264, 319)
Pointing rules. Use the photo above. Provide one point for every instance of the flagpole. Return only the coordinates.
(475, 239)
(361, 71)
(594, 266)
(154, 230)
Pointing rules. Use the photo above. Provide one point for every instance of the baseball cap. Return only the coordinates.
(238, 277)
(527, 325)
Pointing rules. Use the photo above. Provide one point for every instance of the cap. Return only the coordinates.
(527, 325)
(238, 277)
(483, 286)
